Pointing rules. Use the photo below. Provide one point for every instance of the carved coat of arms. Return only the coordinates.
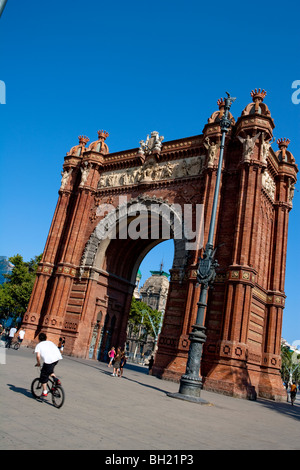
(152, 143)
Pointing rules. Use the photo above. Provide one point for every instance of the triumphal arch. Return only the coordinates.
(101, 231)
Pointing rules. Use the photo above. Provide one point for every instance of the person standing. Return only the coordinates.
(49, 353)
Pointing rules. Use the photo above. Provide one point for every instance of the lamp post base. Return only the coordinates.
(190, 383)
(180, 396)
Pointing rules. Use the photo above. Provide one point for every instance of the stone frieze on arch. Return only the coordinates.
(152, 171)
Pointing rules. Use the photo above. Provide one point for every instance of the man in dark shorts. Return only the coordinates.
(49, 353)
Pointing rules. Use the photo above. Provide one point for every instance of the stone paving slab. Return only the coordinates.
(102, 412)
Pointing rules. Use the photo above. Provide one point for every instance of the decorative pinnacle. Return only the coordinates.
(283, 143)
(83, 140)
(258, 94)
(103, 134)
(221, 103)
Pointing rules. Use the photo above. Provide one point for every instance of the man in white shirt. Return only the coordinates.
(49, 353)
(21, 335)
(11, 334)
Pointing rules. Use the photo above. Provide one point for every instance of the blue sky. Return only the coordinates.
(71, 68)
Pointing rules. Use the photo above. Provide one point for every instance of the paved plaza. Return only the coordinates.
(102, 412)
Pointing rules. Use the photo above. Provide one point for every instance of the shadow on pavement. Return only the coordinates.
(23, 391)
(285, 408)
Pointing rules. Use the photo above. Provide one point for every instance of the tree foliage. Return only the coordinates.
(16, 291)
(289, 364)
(138, 317)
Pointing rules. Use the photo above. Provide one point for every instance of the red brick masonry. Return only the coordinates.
(84, 285)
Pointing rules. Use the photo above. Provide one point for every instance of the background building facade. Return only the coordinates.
(154, 293)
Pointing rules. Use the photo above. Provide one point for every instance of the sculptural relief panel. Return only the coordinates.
(268, 185)
(152, 171)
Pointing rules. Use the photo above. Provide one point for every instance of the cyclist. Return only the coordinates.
(293, 392)
(50, 354)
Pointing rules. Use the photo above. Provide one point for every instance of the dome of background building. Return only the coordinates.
(155, 290)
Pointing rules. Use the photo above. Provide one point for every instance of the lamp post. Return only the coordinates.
(190, 382)
(2, 6)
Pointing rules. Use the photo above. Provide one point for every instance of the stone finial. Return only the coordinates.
(283, 144)
(258, 97)
(79, 148)
(258, 107)
(103, 134)
(217, 115)
(83, 140)
(258, 94)
(99, 145)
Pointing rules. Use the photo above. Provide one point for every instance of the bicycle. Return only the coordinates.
(12, 345)
(15, 345)
(53, 387)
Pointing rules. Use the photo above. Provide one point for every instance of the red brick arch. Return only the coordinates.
(82, 274)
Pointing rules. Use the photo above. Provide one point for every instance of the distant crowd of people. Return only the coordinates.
(117, 360)
(291, 390)
(117, 357)
(11, 333)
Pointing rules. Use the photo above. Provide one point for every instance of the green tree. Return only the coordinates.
(15, 292)
(138, 316)
(290, 369)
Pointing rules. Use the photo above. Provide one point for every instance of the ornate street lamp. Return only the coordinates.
(190, 382)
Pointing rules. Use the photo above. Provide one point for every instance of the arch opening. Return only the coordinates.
(114, 267)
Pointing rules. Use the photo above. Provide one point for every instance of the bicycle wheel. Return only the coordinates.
(58, 396)
(36, 388)
(17, 346)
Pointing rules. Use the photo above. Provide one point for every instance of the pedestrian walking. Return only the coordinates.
(122, 363)
(151, 361)
(61, 344)
(293, 392)
(288, 391)
(21, 335)
(11, 335)
(117, 362)
(111, 355)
